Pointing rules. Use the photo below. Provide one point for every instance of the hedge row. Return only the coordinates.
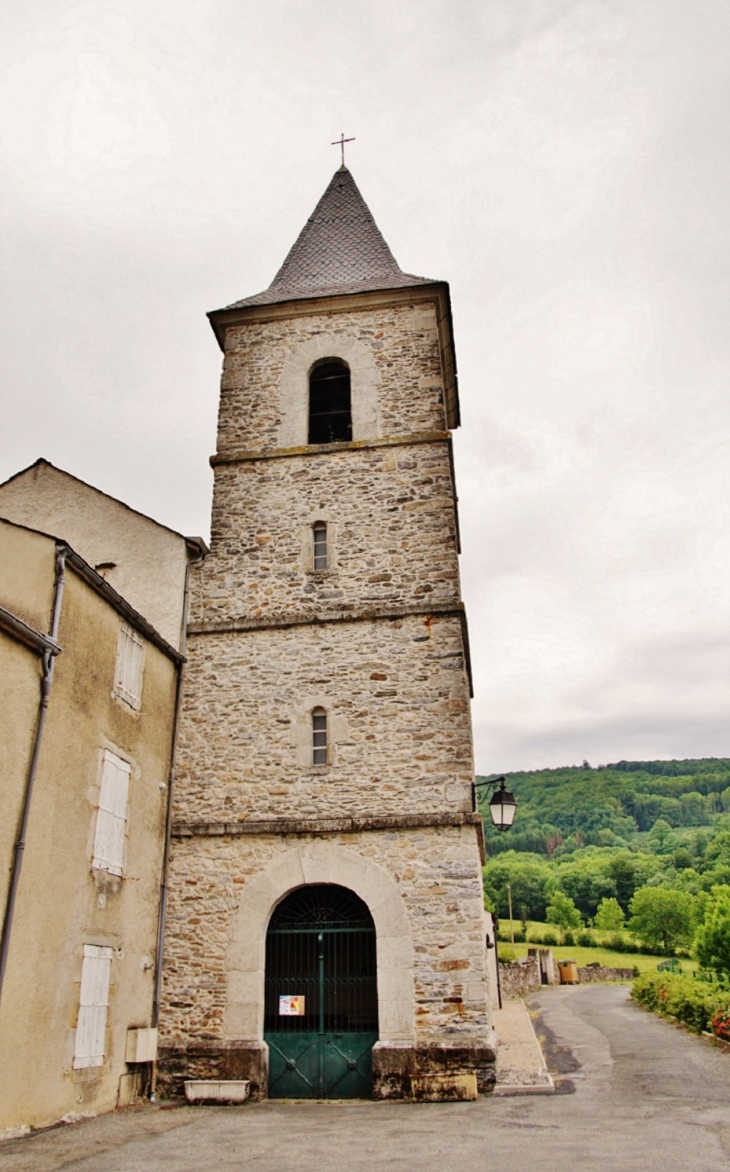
(699, 1005)
(550, 937)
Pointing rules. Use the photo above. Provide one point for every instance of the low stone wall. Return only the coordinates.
(517, 977)
(595, 973)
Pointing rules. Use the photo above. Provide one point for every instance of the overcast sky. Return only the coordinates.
(564, 165)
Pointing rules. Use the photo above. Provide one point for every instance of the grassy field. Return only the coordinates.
(584, 956)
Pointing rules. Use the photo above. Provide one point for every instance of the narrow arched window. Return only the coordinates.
(319, 736)
(330, 412)
(319, 532)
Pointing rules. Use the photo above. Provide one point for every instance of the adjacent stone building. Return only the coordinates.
(326, 931)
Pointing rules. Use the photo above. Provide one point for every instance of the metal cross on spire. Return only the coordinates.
(340, 142)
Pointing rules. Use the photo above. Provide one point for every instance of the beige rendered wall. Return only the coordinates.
(63, 904)
(150, 559)
(19, 696)
(27, 575)
(26, 590)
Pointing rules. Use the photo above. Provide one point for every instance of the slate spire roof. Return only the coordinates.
(339, 250)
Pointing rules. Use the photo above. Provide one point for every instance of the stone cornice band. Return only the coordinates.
(282, 622)
(319, 826)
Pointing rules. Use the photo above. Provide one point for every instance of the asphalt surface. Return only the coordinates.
(635, 1094)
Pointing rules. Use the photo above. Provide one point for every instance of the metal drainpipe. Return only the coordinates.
(168, 822)
(46, 683)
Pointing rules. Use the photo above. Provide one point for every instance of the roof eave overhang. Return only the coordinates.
(435, 292)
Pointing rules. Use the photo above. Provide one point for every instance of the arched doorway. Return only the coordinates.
(321, 1001)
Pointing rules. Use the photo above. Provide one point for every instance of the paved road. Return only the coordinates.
(638, 1095)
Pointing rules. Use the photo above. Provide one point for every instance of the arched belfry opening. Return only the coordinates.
(330, 403)
(321, 999)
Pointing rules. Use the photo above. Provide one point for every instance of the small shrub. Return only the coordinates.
(721, 1024)
(618, 942)
(692, 1002)
(569, 937)
(548, 939)
(586, 939)
(647, 988)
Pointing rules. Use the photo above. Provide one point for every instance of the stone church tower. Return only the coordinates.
(325, 927)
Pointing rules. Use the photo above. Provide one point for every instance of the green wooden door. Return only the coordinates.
(321, 1019)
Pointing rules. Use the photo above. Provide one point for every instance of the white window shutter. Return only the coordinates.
(128, 677)
(118, 788)
(111, 817)
(93, 1006)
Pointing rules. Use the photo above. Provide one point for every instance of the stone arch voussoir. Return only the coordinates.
(319, 862)
(294, 386)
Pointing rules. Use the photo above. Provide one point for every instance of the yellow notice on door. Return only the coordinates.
(291, 1006)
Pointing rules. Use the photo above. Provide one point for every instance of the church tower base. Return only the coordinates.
(423, 1074)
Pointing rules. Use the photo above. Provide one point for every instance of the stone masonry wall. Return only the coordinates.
(377, 640)
(592, 974)
(404, 344)
(438, 875)
(397, 697)
(517, 977)
(391, 534)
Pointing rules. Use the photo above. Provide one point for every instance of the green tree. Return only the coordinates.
(712, 938)
(718, 876)
(661, 917)
(662, 839)
(585, 881)
(562, 911)
(647, 808)
(628, 871)
(681, 859)
(528, 875)
(718, 851)
(610, 916)
(694, 809)
(686, 880)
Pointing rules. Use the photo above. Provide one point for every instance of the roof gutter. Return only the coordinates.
(48, 653)
(26, 634)
(100, 586)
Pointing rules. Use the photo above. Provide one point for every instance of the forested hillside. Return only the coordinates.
(609, 805)
(602, 833)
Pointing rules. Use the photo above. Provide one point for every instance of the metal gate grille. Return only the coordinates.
(321, 1009)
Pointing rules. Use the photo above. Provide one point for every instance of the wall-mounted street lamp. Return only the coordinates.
(502, 805)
